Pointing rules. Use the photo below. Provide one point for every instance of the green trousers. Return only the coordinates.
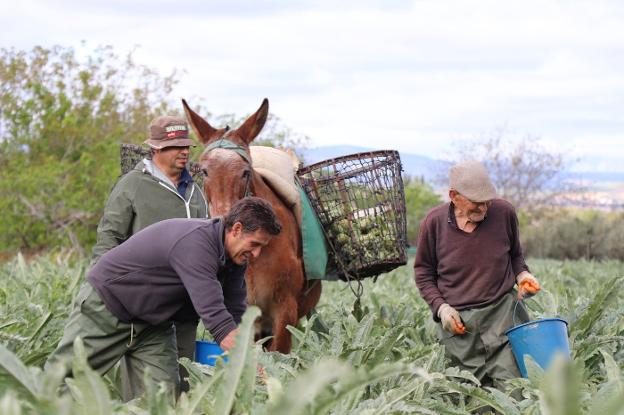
(484, 350)
(186, 334)
(108, 340)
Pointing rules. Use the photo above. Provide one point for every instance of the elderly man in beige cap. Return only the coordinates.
(468, 260)
(156, 189)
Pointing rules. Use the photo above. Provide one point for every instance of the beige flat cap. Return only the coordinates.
(471, 179)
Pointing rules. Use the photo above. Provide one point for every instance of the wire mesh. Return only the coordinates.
(130, 155)
(360, 202)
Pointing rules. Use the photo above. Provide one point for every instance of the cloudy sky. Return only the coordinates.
(410, 75)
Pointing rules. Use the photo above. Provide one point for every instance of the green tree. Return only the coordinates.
(419, 199)
(574, 234)
(61, 121)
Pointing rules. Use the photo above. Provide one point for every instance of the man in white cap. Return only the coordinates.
(156, 189)
(467, 262)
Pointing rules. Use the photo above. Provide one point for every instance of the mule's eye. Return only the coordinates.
(246, 174)
(204, 172)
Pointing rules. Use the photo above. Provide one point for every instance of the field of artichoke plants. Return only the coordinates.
(385, 361)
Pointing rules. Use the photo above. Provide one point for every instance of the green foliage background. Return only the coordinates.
(572, 234)
(62, 119)
(386, 362)
(419, 199)
(63, 116)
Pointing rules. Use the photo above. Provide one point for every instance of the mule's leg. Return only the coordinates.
(309, 297)
(284, 314)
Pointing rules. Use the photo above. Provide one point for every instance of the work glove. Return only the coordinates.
(527, 285)
(451, 321)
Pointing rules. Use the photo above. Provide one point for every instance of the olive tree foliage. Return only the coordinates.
(419, 199)
(62, 118)
(575, 234)
(524, 171)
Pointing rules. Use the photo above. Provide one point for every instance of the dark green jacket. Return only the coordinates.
(140, 198)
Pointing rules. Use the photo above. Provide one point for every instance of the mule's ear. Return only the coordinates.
(253, 125)
(205, 132)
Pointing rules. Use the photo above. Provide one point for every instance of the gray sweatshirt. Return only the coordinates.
(173, 270)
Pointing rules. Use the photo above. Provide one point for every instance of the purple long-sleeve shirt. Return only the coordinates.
(173, 270)
(464, 269)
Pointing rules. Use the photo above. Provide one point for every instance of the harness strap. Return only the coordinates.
(229, 145)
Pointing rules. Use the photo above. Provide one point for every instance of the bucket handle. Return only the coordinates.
(514, 312)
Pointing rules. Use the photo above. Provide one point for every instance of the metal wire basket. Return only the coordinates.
(360, 202)
(130, 155)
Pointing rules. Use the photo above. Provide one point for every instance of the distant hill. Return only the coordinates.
(413, 164)
(428, 168)
(597, 176)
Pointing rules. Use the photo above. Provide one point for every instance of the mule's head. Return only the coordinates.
(226, 163)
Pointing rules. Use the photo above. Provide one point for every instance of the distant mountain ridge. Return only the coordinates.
(413, 164)
(417, 165)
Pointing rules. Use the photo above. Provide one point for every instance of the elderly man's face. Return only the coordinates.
(474, 211)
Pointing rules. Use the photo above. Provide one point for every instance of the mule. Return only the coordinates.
(276, 279)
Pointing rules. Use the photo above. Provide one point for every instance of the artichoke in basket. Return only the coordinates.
(364, 241)
(343, 226)
(342, 239)
(366, 224)
(348, 253)
(390, 246)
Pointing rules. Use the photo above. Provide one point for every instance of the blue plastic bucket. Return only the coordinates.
(206, 353)
(540, 339)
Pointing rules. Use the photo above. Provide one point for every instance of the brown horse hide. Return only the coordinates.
(276, 279)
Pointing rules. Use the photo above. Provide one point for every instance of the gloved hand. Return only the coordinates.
(527, 285)
(451, 321)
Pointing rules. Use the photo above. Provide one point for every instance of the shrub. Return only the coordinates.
(419, 199)
(573, 234)
(61, 121)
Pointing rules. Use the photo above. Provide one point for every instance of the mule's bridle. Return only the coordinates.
(230, 145)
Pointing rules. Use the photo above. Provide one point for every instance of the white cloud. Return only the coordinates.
(413, 76)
